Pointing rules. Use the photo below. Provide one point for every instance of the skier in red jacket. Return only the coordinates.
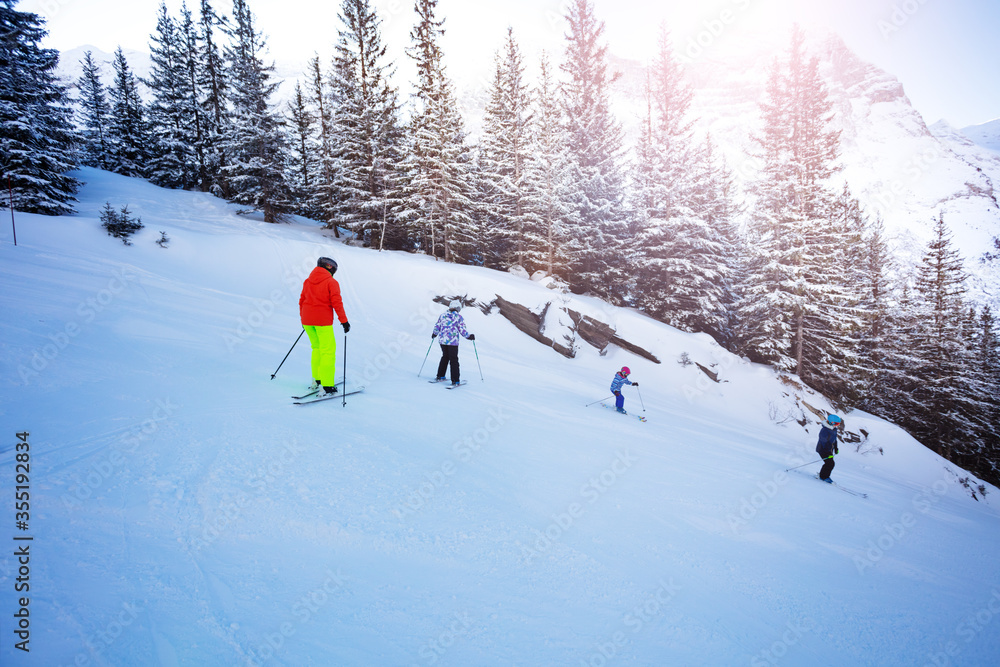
(319, 300)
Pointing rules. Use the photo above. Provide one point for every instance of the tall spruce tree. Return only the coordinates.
(939, 342)
(254, 145)
(365, 131)
(681, 234)
(94, 114)
(795, 305)
(37, 142)
(302, 154)
(128, 131)
(547, 200)
(505, 147)
(595, 149)
(213, 90)
(437, 202)
(173, 162)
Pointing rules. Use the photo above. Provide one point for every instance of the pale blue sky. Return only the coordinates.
(945, 52)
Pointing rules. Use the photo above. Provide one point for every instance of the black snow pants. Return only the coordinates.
(449, 354)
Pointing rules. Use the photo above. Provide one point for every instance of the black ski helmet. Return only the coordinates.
(327, 264)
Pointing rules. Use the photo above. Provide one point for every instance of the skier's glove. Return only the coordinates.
(635, 384)
(347, 326)
(472, 336)
(434, 336)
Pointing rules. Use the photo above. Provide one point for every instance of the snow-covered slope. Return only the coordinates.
(986, 135)
(184, 512)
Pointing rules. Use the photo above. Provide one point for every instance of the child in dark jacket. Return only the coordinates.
(827, 446)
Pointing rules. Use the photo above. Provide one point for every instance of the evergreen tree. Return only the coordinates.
(254, 144)
(322, 194)
(194, 114)
(939, 343)
(547, 198)
(875, 337)
(302, 154)
(172, 162)
(437, 203)
(213, 89)
(37, 144)
(683, 233)
(986, 369)
(595, 149)
(796, 305)
(94, 114)
(128, 132)
(365, 131)
(504, 154)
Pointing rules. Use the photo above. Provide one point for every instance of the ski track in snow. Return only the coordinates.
(185, 512)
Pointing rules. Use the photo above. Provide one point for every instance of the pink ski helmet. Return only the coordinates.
(625, 370)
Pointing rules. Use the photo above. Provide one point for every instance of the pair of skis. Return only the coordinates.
(627, 414)
(450, 386)
(315, 396)
(859, 494)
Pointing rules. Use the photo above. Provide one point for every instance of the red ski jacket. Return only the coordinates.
(320, 297)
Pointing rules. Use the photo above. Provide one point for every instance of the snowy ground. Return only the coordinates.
(184, 512)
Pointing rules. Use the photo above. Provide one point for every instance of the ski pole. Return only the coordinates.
(425, 357)
(599, 400)
(344, 404)
(286, 356)
(804, 465)
(477, 360)
(640, 398)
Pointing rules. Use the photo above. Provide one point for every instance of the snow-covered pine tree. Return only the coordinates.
(794, 300)
(875, 335)
(547, 188)
(939, 343)
(93, 114)
(213, 89)
(365, 131)
(436, 201)
(302, 153)
(986, 370)
(595, 149)
(681, 257)
(172, 162)
(37, 142)
(254, 144)
(321, 195)
(128, 132)
(662, 179)
(503, 156)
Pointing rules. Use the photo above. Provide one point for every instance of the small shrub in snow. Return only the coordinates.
(120, 223)
(684, 359)
(163, 240)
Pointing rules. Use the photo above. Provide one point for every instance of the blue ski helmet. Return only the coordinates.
(328, 264)
(833, 420)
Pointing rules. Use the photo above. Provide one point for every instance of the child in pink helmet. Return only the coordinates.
(621, 378)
